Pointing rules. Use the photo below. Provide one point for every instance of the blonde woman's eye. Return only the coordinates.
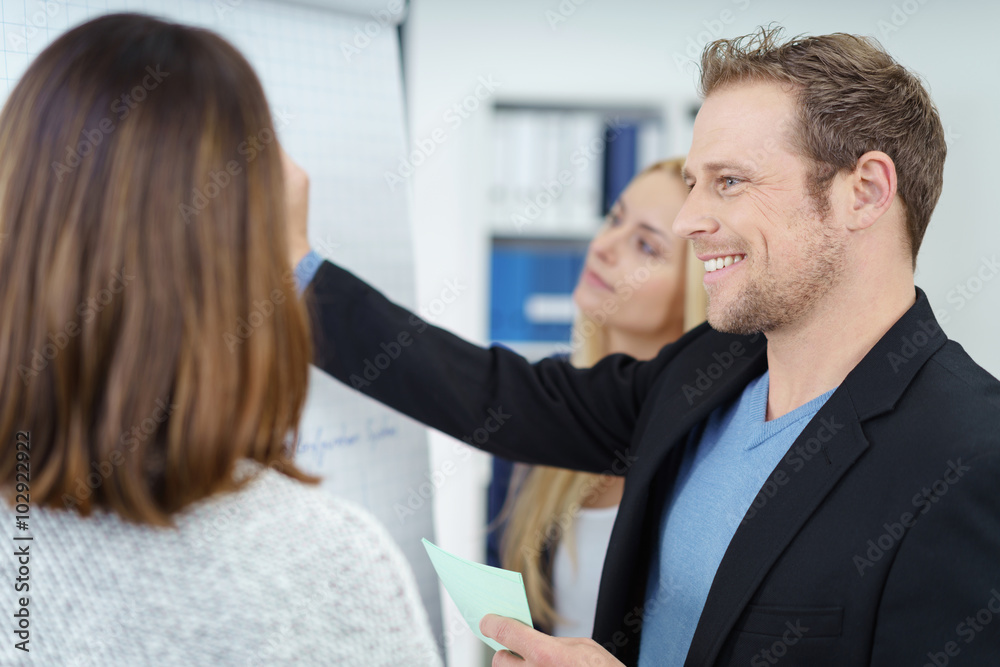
(647, 249)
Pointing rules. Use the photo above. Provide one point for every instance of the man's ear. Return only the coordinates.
(873, 189)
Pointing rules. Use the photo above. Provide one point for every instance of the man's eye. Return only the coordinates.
(730, 181)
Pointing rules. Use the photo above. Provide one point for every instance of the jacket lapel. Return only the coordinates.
(712, 369)
(837, 442)
(833, 440)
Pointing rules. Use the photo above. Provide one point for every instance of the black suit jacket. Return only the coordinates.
(875, 541)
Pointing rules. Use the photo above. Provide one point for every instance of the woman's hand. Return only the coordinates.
(296, 208)
(540, 650)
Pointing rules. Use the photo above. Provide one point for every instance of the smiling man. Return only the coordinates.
(760, 209)
(821, 494)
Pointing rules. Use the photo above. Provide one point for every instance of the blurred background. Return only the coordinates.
(487, 211)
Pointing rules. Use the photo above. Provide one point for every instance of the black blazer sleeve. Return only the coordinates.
(544, 413)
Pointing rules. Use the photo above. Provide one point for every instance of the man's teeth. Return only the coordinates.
(721, 262)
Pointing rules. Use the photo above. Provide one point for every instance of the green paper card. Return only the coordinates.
(480, 589)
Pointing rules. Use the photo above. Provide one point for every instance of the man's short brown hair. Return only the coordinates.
(852, 98)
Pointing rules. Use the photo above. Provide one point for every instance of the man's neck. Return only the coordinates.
(810, 358)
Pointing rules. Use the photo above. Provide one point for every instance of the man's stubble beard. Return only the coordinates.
(766, 302)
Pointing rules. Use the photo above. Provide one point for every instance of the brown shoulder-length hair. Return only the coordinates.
(853, 97)
(150, 331)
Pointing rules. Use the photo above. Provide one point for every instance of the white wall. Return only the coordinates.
(624, 51)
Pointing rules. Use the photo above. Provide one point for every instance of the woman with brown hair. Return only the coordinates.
(639, 290)
(155, 358)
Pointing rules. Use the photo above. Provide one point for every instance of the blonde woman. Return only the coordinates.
(639, 290)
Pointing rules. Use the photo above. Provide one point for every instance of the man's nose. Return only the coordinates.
(696, 216)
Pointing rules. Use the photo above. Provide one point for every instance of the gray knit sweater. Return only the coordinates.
(278, 573)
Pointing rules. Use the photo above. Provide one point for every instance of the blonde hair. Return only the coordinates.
(543, 502)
